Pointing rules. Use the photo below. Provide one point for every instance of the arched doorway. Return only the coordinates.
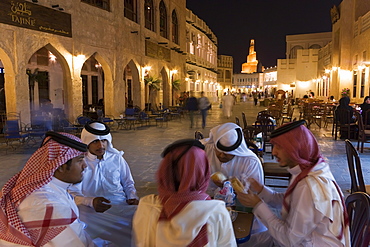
(92, 76)
(133, 94)
(46, 70)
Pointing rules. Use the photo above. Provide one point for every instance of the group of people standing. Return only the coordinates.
(193, 105)
(80, 192)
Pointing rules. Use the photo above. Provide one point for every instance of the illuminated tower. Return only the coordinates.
(251, 65)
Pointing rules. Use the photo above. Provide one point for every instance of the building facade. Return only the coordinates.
(79, 51)
(298, 73)
(224, 73)
(201, 57)
(345, 62)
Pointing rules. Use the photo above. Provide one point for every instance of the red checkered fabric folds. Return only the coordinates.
(37, 172)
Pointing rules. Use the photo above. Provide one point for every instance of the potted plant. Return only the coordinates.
(345, 92)
(154, 85)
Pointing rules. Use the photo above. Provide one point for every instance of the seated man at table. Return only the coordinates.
(107, 197)
(313, 210)
(183, 214)
(36, 209)
(228, 153)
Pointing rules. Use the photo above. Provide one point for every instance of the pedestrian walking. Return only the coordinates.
(191, 106)
(228, 103)
(204, 105)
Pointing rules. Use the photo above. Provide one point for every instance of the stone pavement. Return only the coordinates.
(144, 145)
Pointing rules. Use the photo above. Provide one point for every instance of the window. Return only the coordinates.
(130, 10)
(175, 28)
(228, 74)
(149, 14)
(103, 4)
(293, 51)
(162, 20)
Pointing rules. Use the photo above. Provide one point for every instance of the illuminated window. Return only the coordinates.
(162, 20)
(149, 14)
(103, 4)
(175, 28)
(131, 10)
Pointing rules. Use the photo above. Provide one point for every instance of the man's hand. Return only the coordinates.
(132, 201)
(100, 204)
(249, 200)
(255, 186)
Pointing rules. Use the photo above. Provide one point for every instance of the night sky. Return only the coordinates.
(236, 22)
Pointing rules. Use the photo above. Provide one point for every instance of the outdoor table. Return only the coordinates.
(242, 226)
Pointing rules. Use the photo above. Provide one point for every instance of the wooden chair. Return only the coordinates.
(363, 134)
(367, 119)
(358, 209)
(237, 121)
(343, 122)
(244, 119)
(267, 126)
(355, 169)
(198, 135)
(274, 172)
(288, 116)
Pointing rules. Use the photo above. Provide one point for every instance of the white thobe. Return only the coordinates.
(185, 226)
(32, 208)
(227, 105)
(315, 217)
(110, 178)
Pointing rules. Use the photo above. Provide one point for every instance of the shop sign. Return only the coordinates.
(157, 51)
(36, 17)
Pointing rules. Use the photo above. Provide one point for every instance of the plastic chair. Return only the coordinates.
(358, 209)
(82, 120)
(163, 119)
(13, 132)
(144, 118)
(355, 169)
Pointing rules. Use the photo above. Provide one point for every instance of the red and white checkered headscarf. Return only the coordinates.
(193, 171)
(37, 172)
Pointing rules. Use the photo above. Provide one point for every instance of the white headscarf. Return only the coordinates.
(227, 135)
(88, 137)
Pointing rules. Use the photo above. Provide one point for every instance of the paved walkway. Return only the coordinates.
(143, 147)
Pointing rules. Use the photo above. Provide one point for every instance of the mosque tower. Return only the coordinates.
(251, 65)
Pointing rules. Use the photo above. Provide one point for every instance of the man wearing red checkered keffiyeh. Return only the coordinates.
(313, 212)
(35, 208)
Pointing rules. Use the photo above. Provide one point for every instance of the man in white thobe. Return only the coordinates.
(36, 209)
(313, 210)
(227, 104)
(228, 153)
(107, 196)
